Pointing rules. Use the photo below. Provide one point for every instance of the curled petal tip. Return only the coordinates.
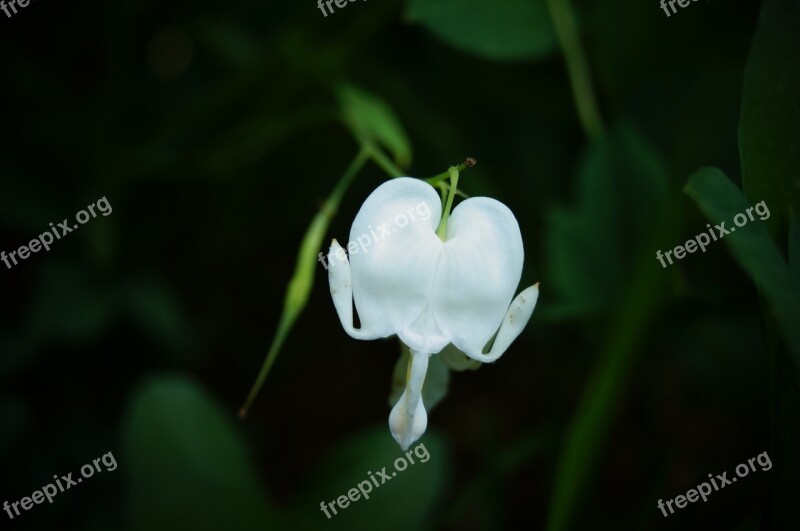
(408, 419)
(407, 428)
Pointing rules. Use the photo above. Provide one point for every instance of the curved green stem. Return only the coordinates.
(582, 90)
(385, 163)
(303, 279)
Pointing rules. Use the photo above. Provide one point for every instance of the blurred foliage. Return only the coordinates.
(502, 30)
(770, 113)
(406, 501)
(372, 122)
(171, 430)
(630, 284)
(591, 249)
(235, 140)
(753, 247)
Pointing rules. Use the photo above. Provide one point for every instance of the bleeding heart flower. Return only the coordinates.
(431, 291)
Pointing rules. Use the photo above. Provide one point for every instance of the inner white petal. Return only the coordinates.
(424, 334)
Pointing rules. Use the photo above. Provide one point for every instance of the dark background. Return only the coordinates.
(213, 130)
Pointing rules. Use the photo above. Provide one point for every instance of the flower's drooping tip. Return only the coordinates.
(408, 418)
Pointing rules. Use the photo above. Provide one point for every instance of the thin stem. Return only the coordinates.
(293, 306)
(446, 187)
(379, 158)
(567, 32)
(347, 177)
(468, 163)
(441, 231)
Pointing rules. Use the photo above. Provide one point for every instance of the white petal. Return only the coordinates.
(394, 253)
(478, 274)
(514, 323)
(340, 283)
(408, 418)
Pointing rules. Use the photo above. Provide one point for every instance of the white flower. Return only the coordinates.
(431, 292)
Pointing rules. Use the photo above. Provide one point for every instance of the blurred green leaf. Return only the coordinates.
(187, 465)
(591, 246)
(498, 30)
(757, 253)
(753, 248)
(769, 136)
(402, 503)
(769, 144)
(434, 389)
(372, 121)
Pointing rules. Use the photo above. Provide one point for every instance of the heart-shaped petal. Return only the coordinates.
(406, 281)
(479, 272)
(393, 276)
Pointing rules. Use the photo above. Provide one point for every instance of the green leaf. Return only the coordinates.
(757, 253)
(592, 245)
(187, 466)
(372, 121)
(404, 502)
(437, 380)
(769, 144)
(769, 137)
(497, 30)
(753, 248)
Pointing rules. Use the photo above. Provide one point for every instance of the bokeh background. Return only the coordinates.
(216, 130)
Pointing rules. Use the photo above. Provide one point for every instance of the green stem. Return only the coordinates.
(567, 32)
(300, 285)
(441, 231)
(379, 158)
(347, 177)
(469, 163)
